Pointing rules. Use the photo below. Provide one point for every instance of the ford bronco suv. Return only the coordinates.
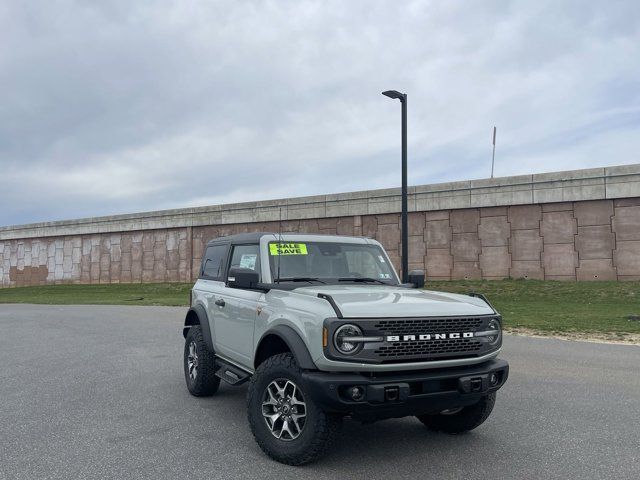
(321, 328)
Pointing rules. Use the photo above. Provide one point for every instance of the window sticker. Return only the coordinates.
(386, 276)
(248, 260)
(381, 258)
(287, 249)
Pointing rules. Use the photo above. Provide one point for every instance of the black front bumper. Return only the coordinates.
(400, 394)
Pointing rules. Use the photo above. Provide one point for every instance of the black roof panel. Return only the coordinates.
(241, 237)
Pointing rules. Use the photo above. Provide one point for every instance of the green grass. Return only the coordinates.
(543, 306)
(564, 307)
(172, 294)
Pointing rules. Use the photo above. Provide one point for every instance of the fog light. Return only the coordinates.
(493, 379)
(356, 393)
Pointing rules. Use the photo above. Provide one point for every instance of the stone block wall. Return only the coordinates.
(129, 257)
(577, 225)
(587, 240)
(590, 240)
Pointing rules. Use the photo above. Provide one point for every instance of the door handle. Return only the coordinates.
(220, 302)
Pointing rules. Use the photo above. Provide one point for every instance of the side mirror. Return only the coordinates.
(243, 278)
(417, 278)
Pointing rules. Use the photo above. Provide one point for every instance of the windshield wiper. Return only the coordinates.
(361, 279)
(299, 279)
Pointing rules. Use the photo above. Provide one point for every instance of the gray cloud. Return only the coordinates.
(116, 106)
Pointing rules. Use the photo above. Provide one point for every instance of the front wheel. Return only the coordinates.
(199, 365)
(286, 423)
(460, 420)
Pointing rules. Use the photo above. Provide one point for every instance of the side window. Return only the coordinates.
(212, 262)
(246, 256)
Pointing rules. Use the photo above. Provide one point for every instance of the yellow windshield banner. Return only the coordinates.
(287, 248)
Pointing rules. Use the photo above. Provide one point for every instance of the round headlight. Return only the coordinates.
(341, 342)
(494, 325)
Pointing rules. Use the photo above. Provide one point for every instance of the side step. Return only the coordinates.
(230, 373)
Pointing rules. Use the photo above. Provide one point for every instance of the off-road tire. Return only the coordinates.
(319, 431)
(205, 383)
(466, 419)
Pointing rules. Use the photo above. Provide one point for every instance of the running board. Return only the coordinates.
(230, 373)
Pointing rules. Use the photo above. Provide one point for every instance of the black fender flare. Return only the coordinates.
(295, 344)
(203, 319)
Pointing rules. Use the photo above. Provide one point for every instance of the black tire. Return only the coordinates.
(318, 431)
(466, 419)
(204, 383)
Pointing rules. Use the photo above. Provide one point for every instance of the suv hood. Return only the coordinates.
(387, 301)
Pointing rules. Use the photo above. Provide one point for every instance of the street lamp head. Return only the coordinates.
(395, 94)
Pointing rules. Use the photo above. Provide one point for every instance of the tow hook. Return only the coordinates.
(473, 384)
(391, 394)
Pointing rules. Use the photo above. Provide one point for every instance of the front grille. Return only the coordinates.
(412, 349)
(428, 325)
(458, 347)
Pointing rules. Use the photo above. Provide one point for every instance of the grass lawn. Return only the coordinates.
(171, 294)
(563, 307)
(542, 306)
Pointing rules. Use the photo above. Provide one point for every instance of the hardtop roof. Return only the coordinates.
(256, 236)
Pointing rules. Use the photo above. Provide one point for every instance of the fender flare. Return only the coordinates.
(203, 320)
(295, 344)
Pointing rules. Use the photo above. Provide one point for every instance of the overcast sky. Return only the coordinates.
(118, 106)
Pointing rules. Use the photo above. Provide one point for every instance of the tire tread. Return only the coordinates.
(206, 383)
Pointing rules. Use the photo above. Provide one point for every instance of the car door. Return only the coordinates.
(235, 320)
(211, 282)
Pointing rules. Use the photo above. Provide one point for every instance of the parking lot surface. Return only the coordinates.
(98, 392)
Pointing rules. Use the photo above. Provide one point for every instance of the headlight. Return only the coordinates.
(495, 326)
(340, 339)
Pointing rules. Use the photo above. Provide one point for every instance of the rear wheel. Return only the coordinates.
(199, 365)
(286, 423)
(460, 420)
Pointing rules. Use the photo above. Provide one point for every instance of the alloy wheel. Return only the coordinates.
(284, 409)
(192, 361)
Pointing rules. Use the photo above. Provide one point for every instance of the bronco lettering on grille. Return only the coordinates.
(427, 336)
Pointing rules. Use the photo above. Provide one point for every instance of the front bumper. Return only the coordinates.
(405, 393)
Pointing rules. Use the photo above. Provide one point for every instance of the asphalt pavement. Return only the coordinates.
(98, 392)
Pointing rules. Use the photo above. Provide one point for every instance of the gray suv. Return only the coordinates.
(321, 328)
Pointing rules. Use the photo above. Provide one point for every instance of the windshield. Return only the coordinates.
(329, 262)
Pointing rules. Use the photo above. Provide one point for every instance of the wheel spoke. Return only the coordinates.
(289, 386)
(279, 389)
(295, 401)
(286, 428)
(272, 418)
(272, 398)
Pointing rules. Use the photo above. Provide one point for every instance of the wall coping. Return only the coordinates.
(574, 185)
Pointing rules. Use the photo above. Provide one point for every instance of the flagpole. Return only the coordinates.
(493, 158)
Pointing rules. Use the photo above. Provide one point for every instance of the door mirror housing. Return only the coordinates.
(243, 278)
(416, 277)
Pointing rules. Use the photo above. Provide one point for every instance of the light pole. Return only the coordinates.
(405, 233)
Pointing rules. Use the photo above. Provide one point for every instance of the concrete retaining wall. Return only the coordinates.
(577, 225)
